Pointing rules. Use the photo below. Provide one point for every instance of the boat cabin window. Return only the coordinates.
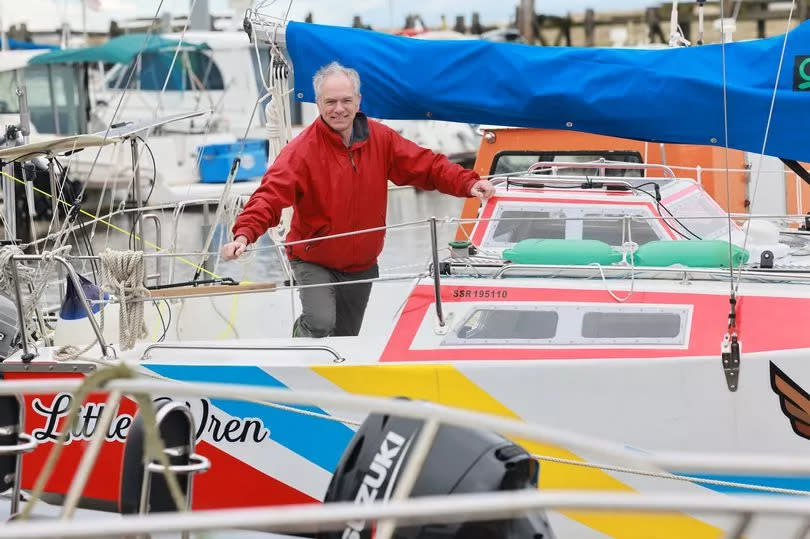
(516, 221)
(573, 325)
(518, 225)
(700, 214)
(508, 162)
(192, 70)
(56, 99)
(611, 229)
(9, 103)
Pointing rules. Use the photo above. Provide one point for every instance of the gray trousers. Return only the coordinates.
(330, 310)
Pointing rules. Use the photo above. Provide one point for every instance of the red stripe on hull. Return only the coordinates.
(104, 482)
(232, 483)
(229, 483)
(764, 324)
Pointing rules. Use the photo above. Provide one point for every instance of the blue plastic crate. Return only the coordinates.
(216, 160)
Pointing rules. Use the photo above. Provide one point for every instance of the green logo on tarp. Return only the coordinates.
(801, 73)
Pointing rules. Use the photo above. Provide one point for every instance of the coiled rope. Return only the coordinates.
(123, 274)
(31, 279)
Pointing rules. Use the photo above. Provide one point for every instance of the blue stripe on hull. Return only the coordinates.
(320, 441)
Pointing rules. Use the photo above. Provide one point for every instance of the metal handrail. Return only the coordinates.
(437, 283)
(125, 211)
(79, 290)
(27, 444)
(318, 518)
(509, 268)
(158, 241)
(303, 347)
(604, 165)
(200, 464)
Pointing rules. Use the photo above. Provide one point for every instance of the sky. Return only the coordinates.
(381, 12)
(42, 14)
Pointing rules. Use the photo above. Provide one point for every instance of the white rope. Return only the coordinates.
(611, 292)
(25, 273)
(307, 413)
(665, 475)
(676, 37)
(628, 248)
(70, 352)
(123, 274)
(277, 111)
(31, 279)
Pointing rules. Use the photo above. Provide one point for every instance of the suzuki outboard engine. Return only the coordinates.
(461, 460)
(9, 327)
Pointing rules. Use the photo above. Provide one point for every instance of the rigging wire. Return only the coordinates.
(108, 224)
(661, 206)
(61, 238)
(73, 213)
(725, 143)
(145, 201)
(117, 109)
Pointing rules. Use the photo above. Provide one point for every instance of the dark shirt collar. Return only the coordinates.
(360, 131)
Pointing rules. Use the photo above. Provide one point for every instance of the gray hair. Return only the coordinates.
(334, 69)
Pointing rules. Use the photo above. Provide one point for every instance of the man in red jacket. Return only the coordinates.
(335, 176)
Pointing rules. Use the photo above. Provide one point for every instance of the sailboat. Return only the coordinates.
(615, 298)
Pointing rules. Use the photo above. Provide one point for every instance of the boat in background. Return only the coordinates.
(728, 176)
(217, 72)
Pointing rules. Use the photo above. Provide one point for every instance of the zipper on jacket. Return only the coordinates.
(353, 238)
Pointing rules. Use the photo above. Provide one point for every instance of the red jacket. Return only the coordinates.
(336, 189)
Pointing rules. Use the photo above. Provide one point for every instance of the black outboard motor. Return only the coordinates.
(461, 460)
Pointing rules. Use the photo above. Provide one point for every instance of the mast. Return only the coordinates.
(200, 16)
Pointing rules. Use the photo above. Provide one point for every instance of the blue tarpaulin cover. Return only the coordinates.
(663, 95)
(14, 44)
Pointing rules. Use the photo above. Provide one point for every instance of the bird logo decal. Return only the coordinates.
(794, 400)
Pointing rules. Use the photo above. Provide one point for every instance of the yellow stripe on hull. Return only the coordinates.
(447, 385)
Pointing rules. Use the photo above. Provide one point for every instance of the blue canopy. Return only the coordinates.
(122, 49)
(664, 95)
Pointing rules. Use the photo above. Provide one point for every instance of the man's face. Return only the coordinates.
(338, 103)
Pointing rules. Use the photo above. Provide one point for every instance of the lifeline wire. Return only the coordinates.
(111, 225)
